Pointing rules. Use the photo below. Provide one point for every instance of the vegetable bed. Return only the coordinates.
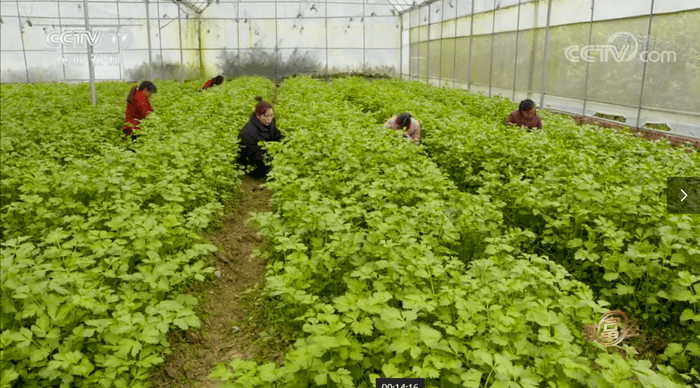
(595, 199)
(374, 262)
(99, 241)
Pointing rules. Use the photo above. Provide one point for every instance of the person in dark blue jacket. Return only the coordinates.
(260, 127)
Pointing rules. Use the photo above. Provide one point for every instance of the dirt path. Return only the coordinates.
(237, 319)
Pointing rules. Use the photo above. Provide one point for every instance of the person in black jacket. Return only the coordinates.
(260, 127)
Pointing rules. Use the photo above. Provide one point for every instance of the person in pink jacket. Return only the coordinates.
(406, 122)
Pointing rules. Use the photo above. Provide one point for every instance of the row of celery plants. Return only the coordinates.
(365, 235)
(595, 198)
(98, 242)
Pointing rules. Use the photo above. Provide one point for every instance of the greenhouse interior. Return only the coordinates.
(350, 193)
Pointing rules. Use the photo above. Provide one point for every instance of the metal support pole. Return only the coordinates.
(533, 51)
(546, 55)
(238, 34)
(91, 66)
(471, 48)
(515, 60)
(400, 51)
(419, 51)
(148, 31)
(24, 51)
(364, 39)
(410, 43)
(646, 62)
(326, 7)
(160, 39)
(63, 51)
(119, 45)
(442, 25)
(427, 55)
(493, 35)
(416, 58)
(454, 59)
(199, 45)
(179, 32)
(588, 64)
(277, 58)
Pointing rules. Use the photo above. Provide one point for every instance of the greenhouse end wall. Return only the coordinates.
(457, 43)
(165, 39)
(596, 64)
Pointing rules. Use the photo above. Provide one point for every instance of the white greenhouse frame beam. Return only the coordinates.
(407, 6)
(196, 6)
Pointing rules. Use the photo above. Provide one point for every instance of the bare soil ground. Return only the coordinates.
(238, 320)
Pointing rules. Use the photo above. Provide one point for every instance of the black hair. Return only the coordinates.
(144, 85)
(526, 105)
(218, 80)
(404, 120)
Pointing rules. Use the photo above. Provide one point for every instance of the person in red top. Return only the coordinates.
(526, 116)
(216, 81)
(138, 107)
(405, 120)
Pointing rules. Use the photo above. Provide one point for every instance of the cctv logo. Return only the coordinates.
(56, 38)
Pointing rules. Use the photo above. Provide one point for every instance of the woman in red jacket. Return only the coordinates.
(526, 116)
(216, 81)
(138, 107)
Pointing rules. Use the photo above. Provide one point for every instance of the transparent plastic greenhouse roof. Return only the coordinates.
(400, 6)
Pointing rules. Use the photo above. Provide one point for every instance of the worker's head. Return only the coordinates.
(218, 80)
(147, 87)
(404, 120)
(527, 108)
(264, 111)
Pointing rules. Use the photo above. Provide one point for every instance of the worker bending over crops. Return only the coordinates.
(216, 81)
(404, 121)
(260, 127)
(138, 106)
(526, 116)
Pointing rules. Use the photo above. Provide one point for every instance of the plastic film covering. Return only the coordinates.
(132, 40)
(618, 60)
